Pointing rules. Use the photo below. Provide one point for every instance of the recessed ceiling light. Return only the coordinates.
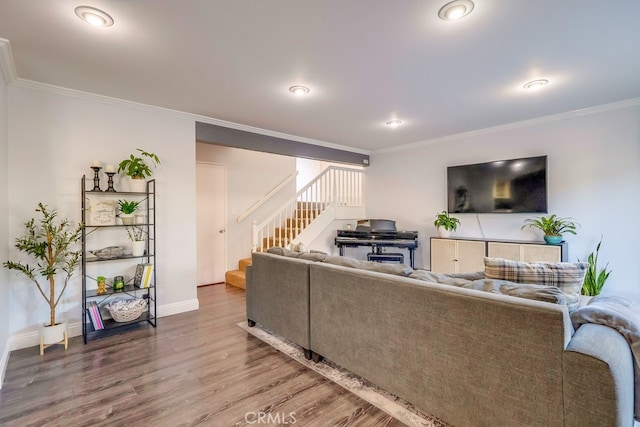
(455, 10)
(94, 16)
(393, 123)
(536, 84)
(299, 90)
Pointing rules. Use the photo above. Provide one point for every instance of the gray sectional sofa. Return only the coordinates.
(468, 357)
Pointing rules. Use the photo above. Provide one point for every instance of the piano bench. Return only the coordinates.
(386, 257)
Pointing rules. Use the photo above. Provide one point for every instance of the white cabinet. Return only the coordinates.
(467, 255)
(457, 256)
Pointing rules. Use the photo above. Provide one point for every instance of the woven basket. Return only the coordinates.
(127, 310)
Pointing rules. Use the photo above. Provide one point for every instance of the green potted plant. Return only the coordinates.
(50, 241)
(445, 224)
(136, 168)
(595, 278)
(553, 227)
(127, 209)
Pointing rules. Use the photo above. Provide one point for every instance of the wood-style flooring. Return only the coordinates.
(195, 368)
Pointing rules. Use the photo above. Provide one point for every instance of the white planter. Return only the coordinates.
(583, 300)
(138, 247)
(137, 185)
(127, 219)
(443, 233)
(140, 218)
(56, 334)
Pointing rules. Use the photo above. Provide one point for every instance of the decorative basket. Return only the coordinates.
(127, 310)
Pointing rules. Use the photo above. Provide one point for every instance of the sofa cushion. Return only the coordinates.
(313, 256)
(277, 250)
(396, 269)
(567, 276)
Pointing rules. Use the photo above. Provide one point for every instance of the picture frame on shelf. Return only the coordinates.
(102, 212)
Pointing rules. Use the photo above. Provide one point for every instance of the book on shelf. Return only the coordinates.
(143, 276)
(94, 315)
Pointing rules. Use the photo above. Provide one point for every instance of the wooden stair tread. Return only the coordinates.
(236, 278)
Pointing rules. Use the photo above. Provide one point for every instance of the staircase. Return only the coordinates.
(337, 193)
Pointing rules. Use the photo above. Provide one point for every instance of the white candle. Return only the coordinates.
(96, 163)
(109, 168)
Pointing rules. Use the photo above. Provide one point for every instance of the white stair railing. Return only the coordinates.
(335, 186)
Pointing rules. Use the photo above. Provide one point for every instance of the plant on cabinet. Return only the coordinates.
(553, 227)
(137, 169)
(50, 241)
(445, 224)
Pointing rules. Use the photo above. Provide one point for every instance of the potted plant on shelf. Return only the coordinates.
(137, 169)
(445, 224)
(595, 278)
(138, 242)
(553, 227)
(50, 242)
(127, 209)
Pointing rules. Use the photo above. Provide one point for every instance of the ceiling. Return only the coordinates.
(365, 61)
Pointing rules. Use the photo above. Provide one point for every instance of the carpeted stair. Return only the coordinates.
(237, 278)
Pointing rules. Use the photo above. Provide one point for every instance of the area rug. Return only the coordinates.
(392, 405)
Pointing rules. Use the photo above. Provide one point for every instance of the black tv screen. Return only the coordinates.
(503, 186)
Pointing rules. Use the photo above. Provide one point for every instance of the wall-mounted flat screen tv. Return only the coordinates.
(503, 186)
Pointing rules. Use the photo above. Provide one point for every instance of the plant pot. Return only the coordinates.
(127, 219)
(137, 185)
(583, 300)
(140, 218)
(50, 335)
(444, 233)
(138, 247)
(553, 240)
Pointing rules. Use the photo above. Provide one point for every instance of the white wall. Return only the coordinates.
(4, 230)
(53, 138)
(250, 176)
(593, 176)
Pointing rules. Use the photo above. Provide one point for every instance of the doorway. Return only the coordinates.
(210, 223)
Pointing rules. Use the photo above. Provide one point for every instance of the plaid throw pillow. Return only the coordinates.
(567, 276)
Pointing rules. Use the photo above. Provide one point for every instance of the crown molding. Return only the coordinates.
(93, 97)
(7, 65)
(629, 103)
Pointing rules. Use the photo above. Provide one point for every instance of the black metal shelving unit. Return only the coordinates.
(148, 198)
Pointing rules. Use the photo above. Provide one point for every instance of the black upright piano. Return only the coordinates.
(378, 234)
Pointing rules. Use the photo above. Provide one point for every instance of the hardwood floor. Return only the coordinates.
(196, 368)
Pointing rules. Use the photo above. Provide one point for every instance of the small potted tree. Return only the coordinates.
(445, 224)
(137, 169)
(553, 227)
(138, 241)
(51, 243)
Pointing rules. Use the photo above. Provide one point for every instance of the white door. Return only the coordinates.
(210, 223)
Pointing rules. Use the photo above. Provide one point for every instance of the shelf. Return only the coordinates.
(120, 258)
(92, 235)
(110, 292)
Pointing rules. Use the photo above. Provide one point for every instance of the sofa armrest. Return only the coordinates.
(598, 379)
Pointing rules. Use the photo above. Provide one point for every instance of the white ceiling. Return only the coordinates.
(366, 61)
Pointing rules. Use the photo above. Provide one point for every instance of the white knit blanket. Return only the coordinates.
(623, 316)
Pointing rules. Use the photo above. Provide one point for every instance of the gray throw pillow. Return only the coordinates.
(567, 276)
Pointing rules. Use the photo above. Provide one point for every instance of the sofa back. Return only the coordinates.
(277, 295)
(468, 357)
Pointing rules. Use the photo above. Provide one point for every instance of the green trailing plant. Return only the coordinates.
(136, 234)
(595, 279)
(128, 206)
(50, 242)
(135, 165)
(552, 225)
(444, 220)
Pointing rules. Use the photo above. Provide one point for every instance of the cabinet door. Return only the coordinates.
(504, 250)
(443, 255)
(541, 253)
(470, 256)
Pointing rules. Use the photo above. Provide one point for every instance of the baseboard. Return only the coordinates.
(4, 360)
(32, 338)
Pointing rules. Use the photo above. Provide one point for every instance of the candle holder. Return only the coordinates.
(110, 182)
(96, 178)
